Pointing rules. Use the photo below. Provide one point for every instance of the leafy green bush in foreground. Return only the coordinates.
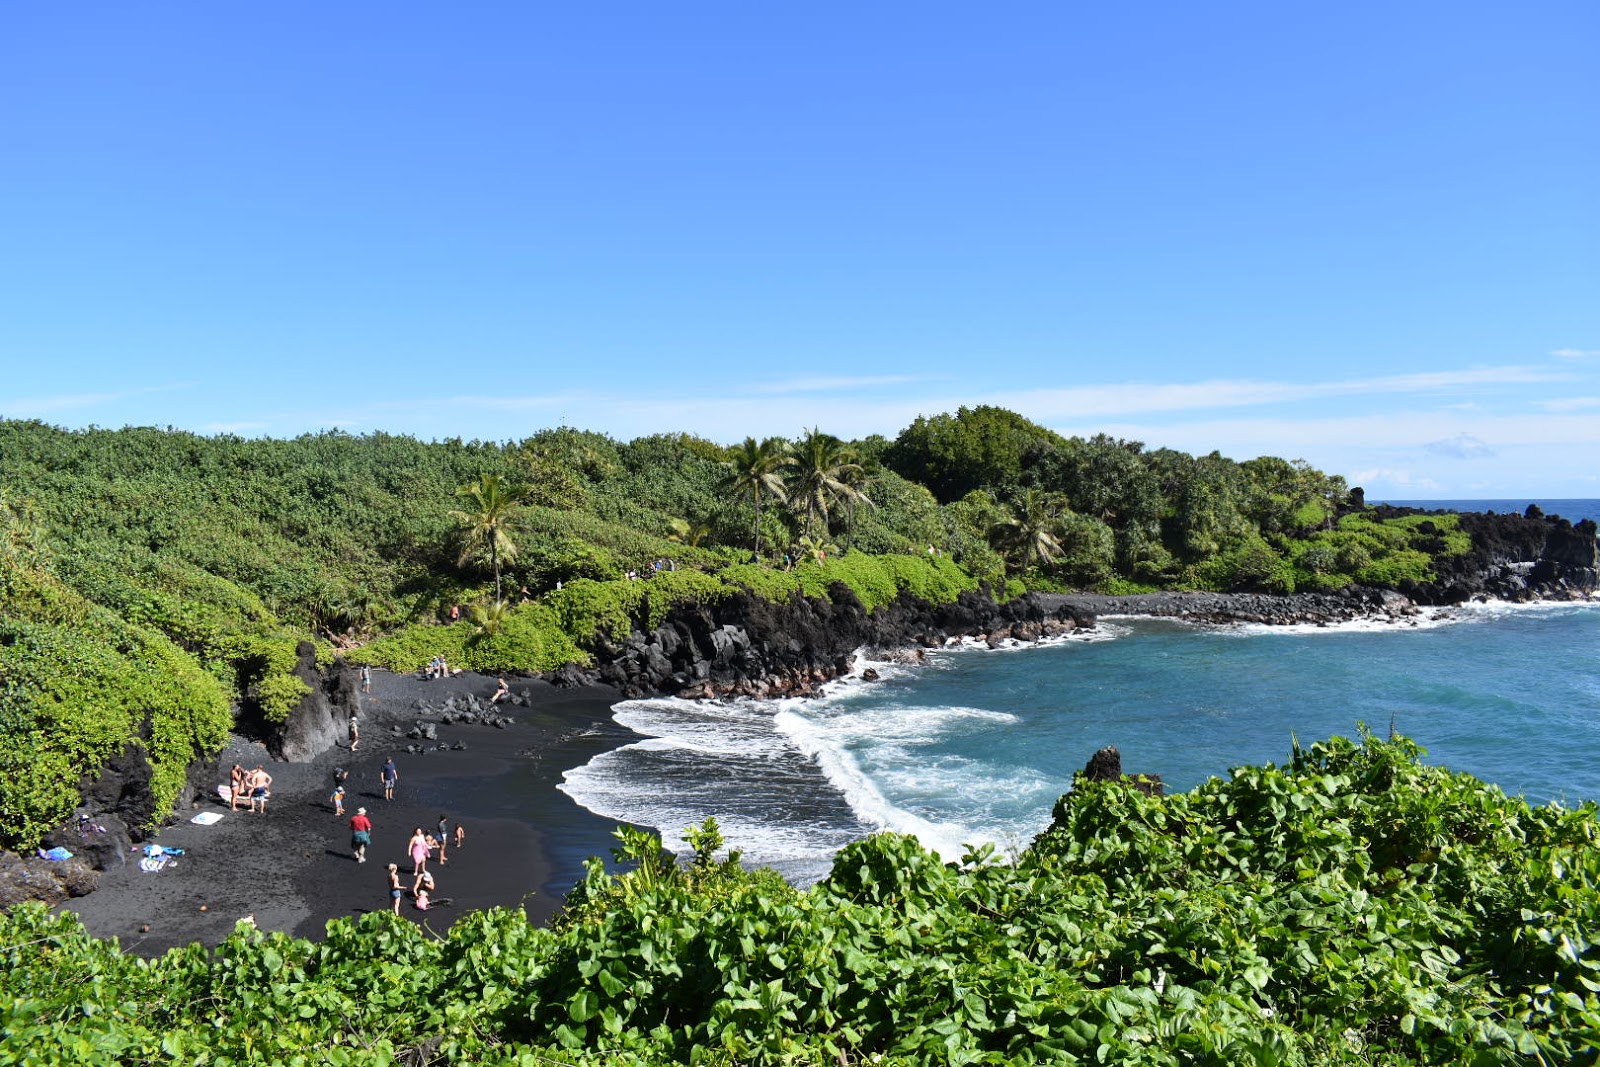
(1355, 907)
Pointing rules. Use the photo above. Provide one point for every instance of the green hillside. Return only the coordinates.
(154, 584)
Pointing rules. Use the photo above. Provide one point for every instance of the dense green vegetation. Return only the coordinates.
(150, 579)
(1353, 907)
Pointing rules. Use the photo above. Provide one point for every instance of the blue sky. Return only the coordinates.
(1363, 234)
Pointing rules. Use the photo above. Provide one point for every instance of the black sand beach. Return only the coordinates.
(292, 869)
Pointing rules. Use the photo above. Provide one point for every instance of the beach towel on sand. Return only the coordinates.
(57, 853)
(207, 818)
(153, 863)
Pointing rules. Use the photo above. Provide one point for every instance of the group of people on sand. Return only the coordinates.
(420, 848)
(437, 668)
(253, 787)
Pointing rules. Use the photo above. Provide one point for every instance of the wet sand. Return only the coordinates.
(292, 869)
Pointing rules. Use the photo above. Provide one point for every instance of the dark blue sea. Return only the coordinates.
(975, 745)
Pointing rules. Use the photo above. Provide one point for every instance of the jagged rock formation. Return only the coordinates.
(1106, 766)
(1513, 557)
(751, 647)
(323, 717)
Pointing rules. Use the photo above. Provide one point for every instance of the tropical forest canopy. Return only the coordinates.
(154, 583)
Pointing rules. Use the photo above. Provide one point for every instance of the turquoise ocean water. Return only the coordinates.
(976, 744)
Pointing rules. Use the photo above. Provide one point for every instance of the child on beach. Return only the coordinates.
(461, 833)
(395, 892)
(338, 800)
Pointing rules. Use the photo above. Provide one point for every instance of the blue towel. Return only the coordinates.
(57, 853)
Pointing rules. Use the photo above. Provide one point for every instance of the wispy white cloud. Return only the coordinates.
(1576, 353)
(1399, 430)
(1571, 403)
(1400, 479)
(531, 402)
(827, 385)
(1461, 446)
(1134, 398)
(40, 406)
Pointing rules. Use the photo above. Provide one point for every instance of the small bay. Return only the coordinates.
(975, 745)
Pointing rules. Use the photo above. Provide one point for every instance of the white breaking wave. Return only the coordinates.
(827, 744)
(1428, 618)
(721, 759)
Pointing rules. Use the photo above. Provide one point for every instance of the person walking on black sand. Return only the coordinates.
(360, 835)
(355, 733)
(366, 677)
(390, 775)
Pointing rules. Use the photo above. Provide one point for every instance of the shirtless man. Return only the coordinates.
(259, 782)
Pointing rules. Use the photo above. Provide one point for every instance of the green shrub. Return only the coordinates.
(1355, 906)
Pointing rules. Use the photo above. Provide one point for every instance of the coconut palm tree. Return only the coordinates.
(825, 472)
(685, 533)
(758, 468)
(487, 525)
(854, 479)
(1030, 533)
(487, 619)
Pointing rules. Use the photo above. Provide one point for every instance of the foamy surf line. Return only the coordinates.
(866, 799)
(722, 759)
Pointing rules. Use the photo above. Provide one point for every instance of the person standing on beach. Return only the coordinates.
(236, 787)
(461, 834)
(366, 677)
(417, 847)
(260, 782)
(355, 733)
(338, 800)
(444, 838)
(395, 892)
(390, 775)
(361, 835)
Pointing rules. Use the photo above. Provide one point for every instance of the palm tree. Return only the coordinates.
(1031, 532)
(758, 467)
(487, 619)
(854, 479)
(489, 522)
(684, 533)
(825, 470)
(817, 548)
